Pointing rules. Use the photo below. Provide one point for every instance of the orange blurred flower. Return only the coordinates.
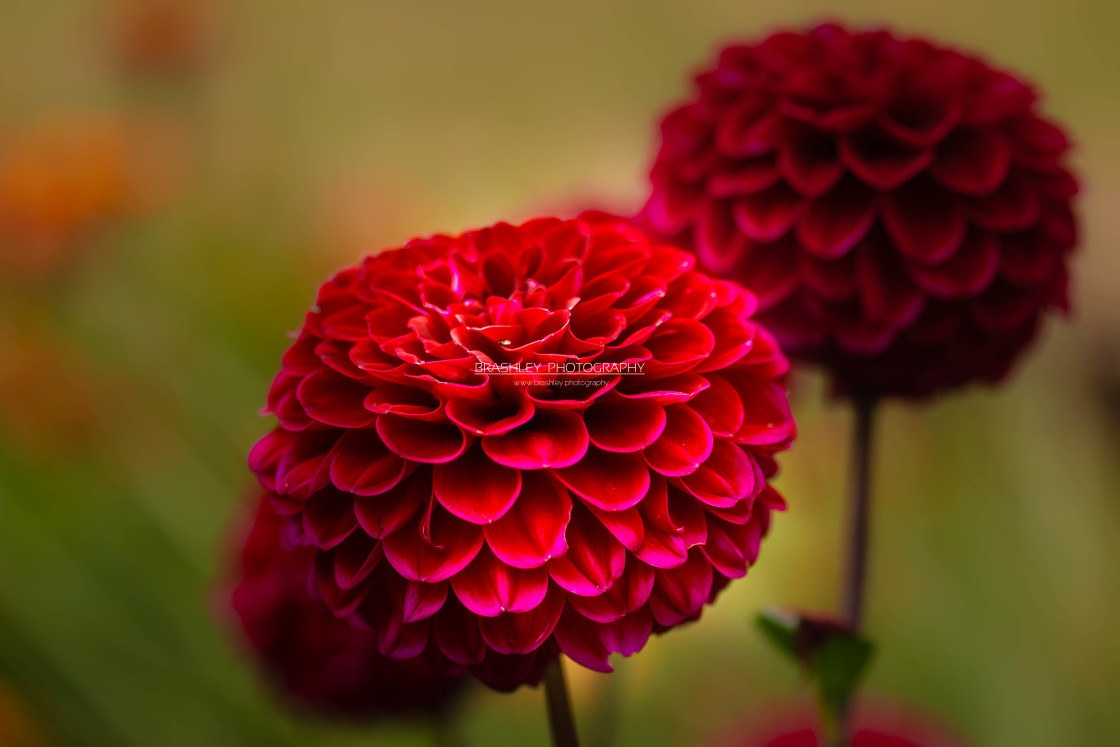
(62, 181)
(161, 37)
(17, 727)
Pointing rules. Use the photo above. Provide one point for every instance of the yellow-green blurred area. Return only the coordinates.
(248, 148)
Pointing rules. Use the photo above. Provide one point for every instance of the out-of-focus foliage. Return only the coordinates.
(301, 134)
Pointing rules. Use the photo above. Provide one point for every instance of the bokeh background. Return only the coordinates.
(176, 179)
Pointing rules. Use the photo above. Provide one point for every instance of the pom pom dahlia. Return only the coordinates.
(319, 661)
(526, 440)
(900, 209)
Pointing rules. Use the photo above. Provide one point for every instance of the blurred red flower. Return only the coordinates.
(877, 725)
(469, 495)
(900, 209)
(329, 665)
(161, 37)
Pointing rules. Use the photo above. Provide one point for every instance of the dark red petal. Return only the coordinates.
(626, 526)
(926, 222)
(382, 514)
(880, 160)
(328, 518)
(809, 161)
(1013, 207)
(418, 601)
(683, 446)
(766, 414)
(886, 293)
(733, 337)
(967, 273)
(476, 488)
(490, 418)
(607, 480)
(334, 399)
(457, 634)
(680, 592)
(678, 345)
(520, 633)
(679, 388)
(532, 531)
(361, 463)
(434, 546)
(1029, 259)
(616, 423)
(355, 559)
(594, 558)
(591, 644)
(421, 441)
(766, 216)
(489, 587)
(972, 161)
(836, 222)
(553, 438)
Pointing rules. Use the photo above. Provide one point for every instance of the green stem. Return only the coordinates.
(560, 719)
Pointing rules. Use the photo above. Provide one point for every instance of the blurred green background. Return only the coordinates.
(243, 150)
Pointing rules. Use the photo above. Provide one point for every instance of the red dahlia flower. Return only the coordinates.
(901, 210)
(470, 498)
(878, 726)
(324, 663)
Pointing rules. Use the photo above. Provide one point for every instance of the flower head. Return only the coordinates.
(526, 439)
(321, 662)
(880, 725)
(900, 209)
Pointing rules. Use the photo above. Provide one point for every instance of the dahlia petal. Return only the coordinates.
(355, 559)
(920, 123)
(1005, 308)
(729, 545)
(421, 441)
(836, 222)
(967, 273)
(553, 438)
(594, 559)
(457, 634)
(680, 388)
(674, 206)
(433, 547)
(320, 585)
(334, 399)
(1027, 260)
(720, 406)
(770, 269)
(887, 294)
(1012, 207)
(532, 531)
(678, 593)
(522, 632)
(766, 216)
(620, 424)
(476, 488)
(626, 525)
(406, 401)
(591, 644)
(809, 161)
(733, 337)
(610, 481)
(926, 222)
(685, 443)
(726, 478)
(972, 161)
(678, 345)
(382, 514)
(328, 518)
(748, 129)
(400, 640)
(361, 464)
(691, 296)
(744, 177)
(880, 160)
(418, 601)
(489, 587)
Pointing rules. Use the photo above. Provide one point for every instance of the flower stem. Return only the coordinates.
(560, 720)
(859, 519)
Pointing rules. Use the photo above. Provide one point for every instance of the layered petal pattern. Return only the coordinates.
(320, 662)
(901, 210)
(526, 440)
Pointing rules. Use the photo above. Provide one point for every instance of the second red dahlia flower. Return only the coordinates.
(525, 440)
(901, 210)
